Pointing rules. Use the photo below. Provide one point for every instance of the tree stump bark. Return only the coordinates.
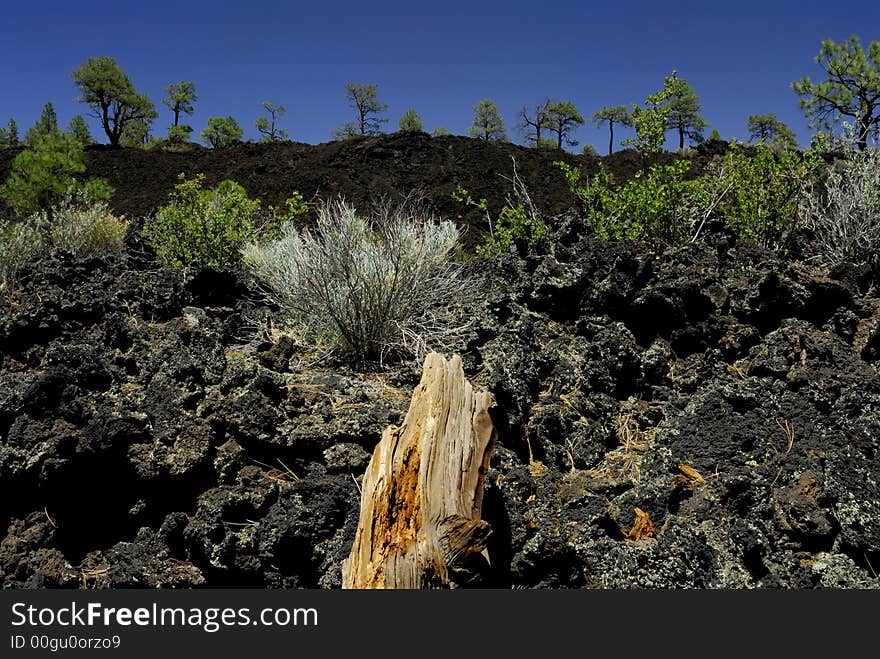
(422, 493)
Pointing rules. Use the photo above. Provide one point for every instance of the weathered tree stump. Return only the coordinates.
(422, 493)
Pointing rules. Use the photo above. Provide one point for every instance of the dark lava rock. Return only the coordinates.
(701, 417)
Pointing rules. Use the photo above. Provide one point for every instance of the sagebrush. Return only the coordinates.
(84, 227)
(78, 224)
(20, 244)
(366, 287)
(844, 212)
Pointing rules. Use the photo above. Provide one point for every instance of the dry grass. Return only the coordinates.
(787, 428)
(283, 475)
(536, 467)
(844, 213)
(73, 225)
(625, 461)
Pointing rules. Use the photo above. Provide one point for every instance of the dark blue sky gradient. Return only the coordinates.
(438, 58)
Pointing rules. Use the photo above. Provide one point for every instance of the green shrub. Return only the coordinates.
(203, 227)
(179, 134)
(364, 288)
(656, 206)
(652, 122)
(763, 192)
(755, 191)
(514, 224)
(517, 223)
(42, 174)
(295, 208)
(596, 197)
(222, 132)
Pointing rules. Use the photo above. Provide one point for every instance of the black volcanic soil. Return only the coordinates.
(361, 170)
(149, 437)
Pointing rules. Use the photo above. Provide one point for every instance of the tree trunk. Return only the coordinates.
(865, 128)
(680, 137)
(611, 138)
(112, 135)
(422, 492)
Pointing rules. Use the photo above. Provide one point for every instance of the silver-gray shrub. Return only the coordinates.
(366, 287)
(84, 227)
(20, 244)
(844, 212)
(77, 224)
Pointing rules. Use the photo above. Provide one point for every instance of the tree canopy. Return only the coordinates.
(346, 131)
(562, 118)
(488, 124)
(266, 125)
(47, 124)
(410, 122)
(222, 132)
(9, 135)
(851, 88)
(651, 122)
(611, 114)
(180, 99)
(80, 130)
(771, 130)
(533, 124)
(112, 97)
(684, 112)
(44, 172)
(364, 99)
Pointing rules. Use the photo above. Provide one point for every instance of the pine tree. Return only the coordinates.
(532, 125)
(9, 135)
(364, 99)
(222, 132)
(111, 95)
(773, 132)
(47, 124)
(80, 130)
(611, 114)
(266, 125)
(488, 124)
(410, 123)
(684, 118)
(563, 117)
(852, 88)
(181, 96)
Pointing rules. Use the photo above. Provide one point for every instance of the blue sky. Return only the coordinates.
(438, 58)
